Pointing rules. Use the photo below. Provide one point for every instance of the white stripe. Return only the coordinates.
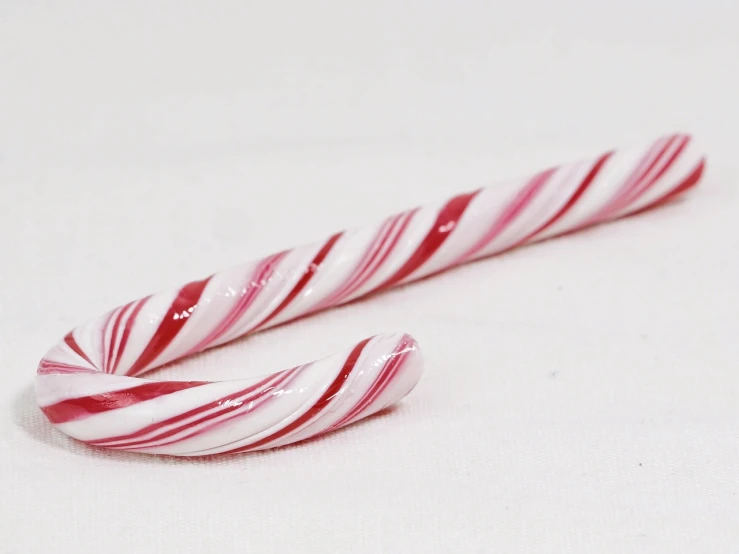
(55, 387)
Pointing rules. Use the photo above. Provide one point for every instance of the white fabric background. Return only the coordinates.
(579, 396)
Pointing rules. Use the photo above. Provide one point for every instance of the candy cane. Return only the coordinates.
(87, 385)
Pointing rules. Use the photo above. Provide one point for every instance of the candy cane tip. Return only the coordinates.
(199, 418)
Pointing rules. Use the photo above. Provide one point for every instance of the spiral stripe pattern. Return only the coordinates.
(88, 384)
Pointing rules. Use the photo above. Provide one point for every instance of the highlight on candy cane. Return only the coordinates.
(88, 384)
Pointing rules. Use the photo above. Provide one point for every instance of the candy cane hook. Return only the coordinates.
(88, 384)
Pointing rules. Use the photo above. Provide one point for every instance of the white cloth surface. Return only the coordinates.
(581, 395)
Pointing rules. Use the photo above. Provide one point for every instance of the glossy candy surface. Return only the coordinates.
(88, 384)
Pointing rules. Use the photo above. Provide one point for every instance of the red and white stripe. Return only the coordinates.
(87, 384)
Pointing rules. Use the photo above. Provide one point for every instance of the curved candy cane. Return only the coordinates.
(87, 385)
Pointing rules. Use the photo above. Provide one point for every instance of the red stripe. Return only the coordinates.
(389, 370)
(445, 223)
(187, 298)
(236, 406)
(642, 169)
(320, 405)
(78, 408)
(669, 163)
(639, 176)
(376, 262)
(130, 321)
(109, 361)
(406, 219)
(586, 182)
(261, 278)
(638, 192)
(376, 254)
(253, 403)
(509, 213)
(309, 272)
(50, 368)
(254, 285)
(689, 182)
(635, 186)
(364, 265)
(221, 403)
(69, 339)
